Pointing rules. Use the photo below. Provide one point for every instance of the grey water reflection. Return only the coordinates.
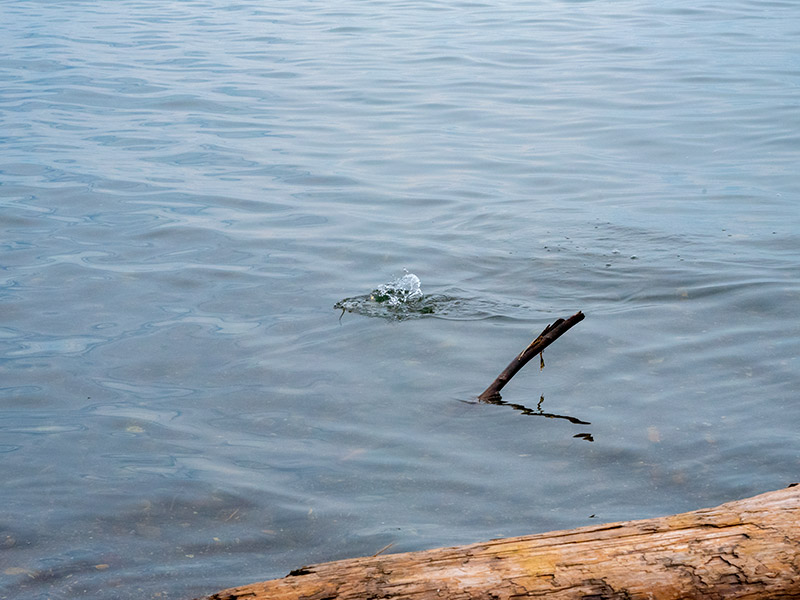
(188, 188)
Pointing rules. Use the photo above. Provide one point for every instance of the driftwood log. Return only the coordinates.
(744, 549)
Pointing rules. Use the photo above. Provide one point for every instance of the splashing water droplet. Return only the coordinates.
(400, 291)
(398, 299)
(402, 299)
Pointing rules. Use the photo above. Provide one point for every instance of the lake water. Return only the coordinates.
(187, 188)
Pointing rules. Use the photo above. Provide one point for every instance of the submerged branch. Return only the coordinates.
(549, 335)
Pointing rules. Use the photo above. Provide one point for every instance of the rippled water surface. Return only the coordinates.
(188, 189)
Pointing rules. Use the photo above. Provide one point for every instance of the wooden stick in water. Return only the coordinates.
(550, 334)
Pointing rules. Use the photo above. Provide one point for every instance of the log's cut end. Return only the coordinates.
(744, 549)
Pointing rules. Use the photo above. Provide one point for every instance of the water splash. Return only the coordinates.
(403, 290)
(402, 299)
(399, 299)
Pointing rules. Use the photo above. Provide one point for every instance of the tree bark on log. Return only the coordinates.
(744, 549)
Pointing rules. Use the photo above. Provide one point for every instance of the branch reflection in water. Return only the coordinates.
(535, 412)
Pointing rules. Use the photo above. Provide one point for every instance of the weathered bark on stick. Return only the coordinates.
(744, 549)
(549, 335)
